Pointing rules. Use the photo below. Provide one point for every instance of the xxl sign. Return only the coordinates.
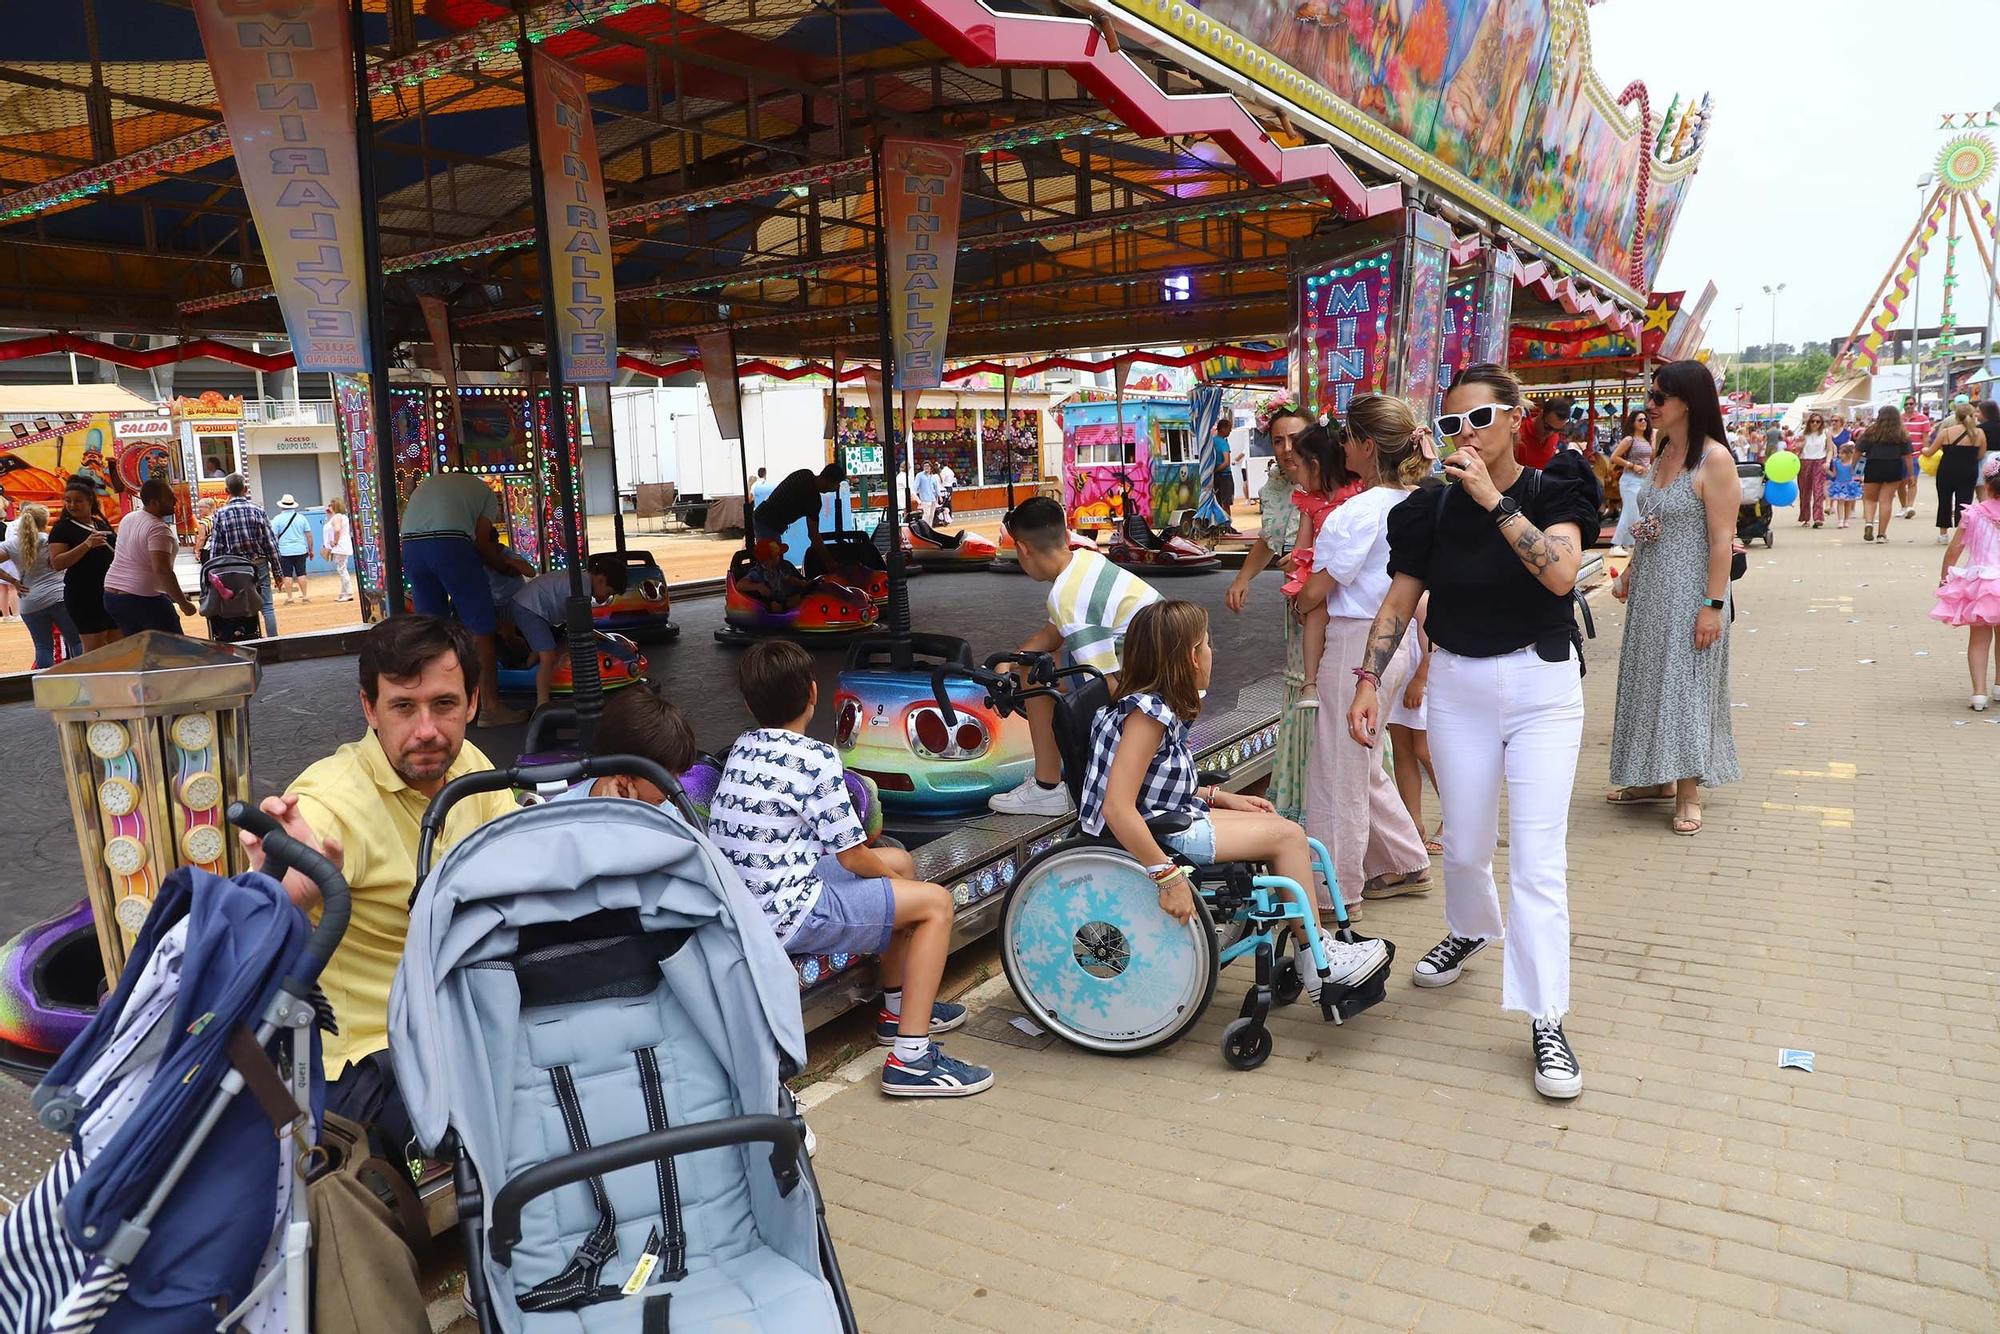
(284, 72)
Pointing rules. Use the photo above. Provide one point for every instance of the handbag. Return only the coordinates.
(367, 1225)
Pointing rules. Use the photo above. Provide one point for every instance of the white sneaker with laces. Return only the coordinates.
(1346, 964)
(1031, 798)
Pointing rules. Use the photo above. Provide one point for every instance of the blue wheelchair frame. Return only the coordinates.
(1266, 906)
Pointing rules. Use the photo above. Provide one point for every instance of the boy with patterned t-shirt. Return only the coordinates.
(782, 817)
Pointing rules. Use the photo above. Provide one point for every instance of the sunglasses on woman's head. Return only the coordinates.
(1478, 419)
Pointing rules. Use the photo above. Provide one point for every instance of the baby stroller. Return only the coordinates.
(176, 1208)
(1753, 511)
(230, 600)
(593, 1023)
(1084, 943)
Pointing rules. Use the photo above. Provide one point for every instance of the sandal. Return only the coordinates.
(1395, 886)
(1634, 796)
(1687, 826)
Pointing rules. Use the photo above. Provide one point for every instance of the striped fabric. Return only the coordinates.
(1090, 605)
(38, 1266)
(781, 805)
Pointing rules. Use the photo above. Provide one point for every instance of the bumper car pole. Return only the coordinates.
(899, 592)
(586, 685)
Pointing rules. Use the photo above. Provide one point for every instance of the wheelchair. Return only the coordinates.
(1084, 943)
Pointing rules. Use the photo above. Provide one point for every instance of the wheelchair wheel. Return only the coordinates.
(1094, 960)
(1246, 1044)
(1286, 984)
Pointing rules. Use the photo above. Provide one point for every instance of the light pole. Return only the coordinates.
(1739, 336)
(1986, 354)
(1924, 183)
(1772, 350)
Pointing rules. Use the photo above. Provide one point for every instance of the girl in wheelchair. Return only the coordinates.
(1140, 784)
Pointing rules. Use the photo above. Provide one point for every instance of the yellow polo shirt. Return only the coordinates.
(355, 796)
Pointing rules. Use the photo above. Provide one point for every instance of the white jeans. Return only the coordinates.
(343, 566)
(1519, 718)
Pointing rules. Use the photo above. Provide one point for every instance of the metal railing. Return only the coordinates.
(289, 411)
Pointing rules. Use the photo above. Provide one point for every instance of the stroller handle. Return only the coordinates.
(537, 775)
(781, 1133)
(284, 853)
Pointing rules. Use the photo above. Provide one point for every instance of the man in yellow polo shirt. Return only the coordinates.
(362, 806)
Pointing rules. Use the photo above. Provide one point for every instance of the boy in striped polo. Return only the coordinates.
(1091, 602)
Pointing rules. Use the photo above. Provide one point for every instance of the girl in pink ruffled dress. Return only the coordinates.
(1969, 583)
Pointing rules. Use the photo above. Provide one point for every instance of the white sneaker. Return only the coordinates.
(1346, 964)
(1944, 538)
(1910, 513)
(1031, 798)
(1979, 703)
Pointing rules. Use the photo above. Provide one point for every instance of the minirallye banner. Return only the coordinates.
(922, 181)
(284, 73)
(579, 234)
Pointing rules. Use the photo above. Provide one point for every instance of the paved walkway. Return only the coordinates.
(1401, 1173)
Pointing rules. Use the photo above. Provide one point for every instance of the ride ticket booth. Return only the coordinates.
(501, 431)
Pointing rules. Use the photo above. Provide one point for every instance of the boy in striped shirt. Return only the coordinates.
(1091, 602)
(782, 816)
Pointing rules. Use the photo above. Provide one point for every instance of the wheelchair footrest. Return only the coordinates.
(1339, 1002)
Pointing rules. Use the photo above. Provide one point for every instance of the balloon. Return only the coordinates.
(1781, 494)
(1782, 466)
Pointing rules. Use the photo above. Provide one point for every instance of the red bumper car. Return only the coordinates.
(1137, 547)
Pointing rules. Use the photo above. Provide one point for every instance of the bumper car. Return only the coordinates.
(1007, 558)
(933, 550)
(641, 610)
(888, 728)
(619, 664)
(1137, 547)
(50, 978)
(800, 607)
(849, 558)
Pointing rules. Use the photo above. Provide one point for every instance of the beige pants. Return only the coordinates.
(1352, 804)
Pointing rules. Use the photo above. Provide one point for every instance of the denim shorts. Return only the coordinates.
(1196, 842)
(447, 578)
(853, 915)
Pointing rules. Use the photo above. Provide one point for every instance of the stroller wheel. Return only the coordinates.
(1246, 1044)
(1286, 984)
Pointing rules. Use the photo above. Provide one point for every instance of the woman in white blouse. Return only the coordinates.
(1352, 804)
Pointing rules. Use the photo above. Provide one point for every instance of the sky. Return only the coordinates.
(1810, 174)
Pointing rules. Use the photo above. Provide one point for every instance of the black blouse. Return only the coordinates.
(1483, 600)
(89, 571)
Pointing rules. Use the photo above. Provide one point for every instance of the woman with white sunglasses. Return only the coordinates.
(1498, 550)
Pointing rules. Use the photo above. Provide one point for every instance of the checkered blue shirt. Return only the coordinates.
(1169, 786)
(239, 528)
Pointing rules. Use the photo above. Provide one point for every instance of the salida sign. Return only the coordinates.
(922, 181)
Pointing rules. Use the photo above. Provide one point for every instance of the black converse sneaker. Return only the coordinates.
(1557, 1075)
(1441, 967)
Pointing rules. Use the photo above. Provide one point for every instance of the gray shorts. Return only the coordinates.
(853, 915)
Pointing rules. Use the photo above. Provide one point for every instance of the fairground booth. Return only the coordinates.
(1052, 246)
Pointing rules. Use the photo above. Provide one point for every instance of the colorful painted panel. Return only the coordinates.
(355, 413)
(38, 455)
(496, 430)
(1010, 442)
(1496, 92)
(1344, 317)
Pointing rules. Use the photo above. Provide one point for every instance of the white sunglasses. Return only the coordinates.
(1481, 417)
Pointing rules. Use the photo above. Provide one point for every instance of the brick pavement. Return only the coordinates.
(1401, 1173)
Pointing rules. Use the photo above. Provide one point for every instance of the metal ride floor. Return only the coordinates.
(304, 709)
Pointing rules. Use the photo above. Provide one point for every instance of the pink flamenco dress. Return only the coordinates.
(1970, 594)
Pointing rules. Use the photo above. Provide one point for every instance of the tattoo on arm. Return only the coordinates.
(1537, 550)
(1383, 639)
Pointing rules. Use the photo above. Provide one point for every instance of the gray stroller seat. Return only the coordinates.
(580, 977)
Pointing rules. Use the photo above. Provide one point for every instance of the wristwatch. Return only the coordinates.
(1505, 510)
(1715, 604)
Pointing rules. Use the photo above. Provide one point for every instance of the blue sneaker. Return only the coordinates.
(945, 1016)
(938, 1076)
